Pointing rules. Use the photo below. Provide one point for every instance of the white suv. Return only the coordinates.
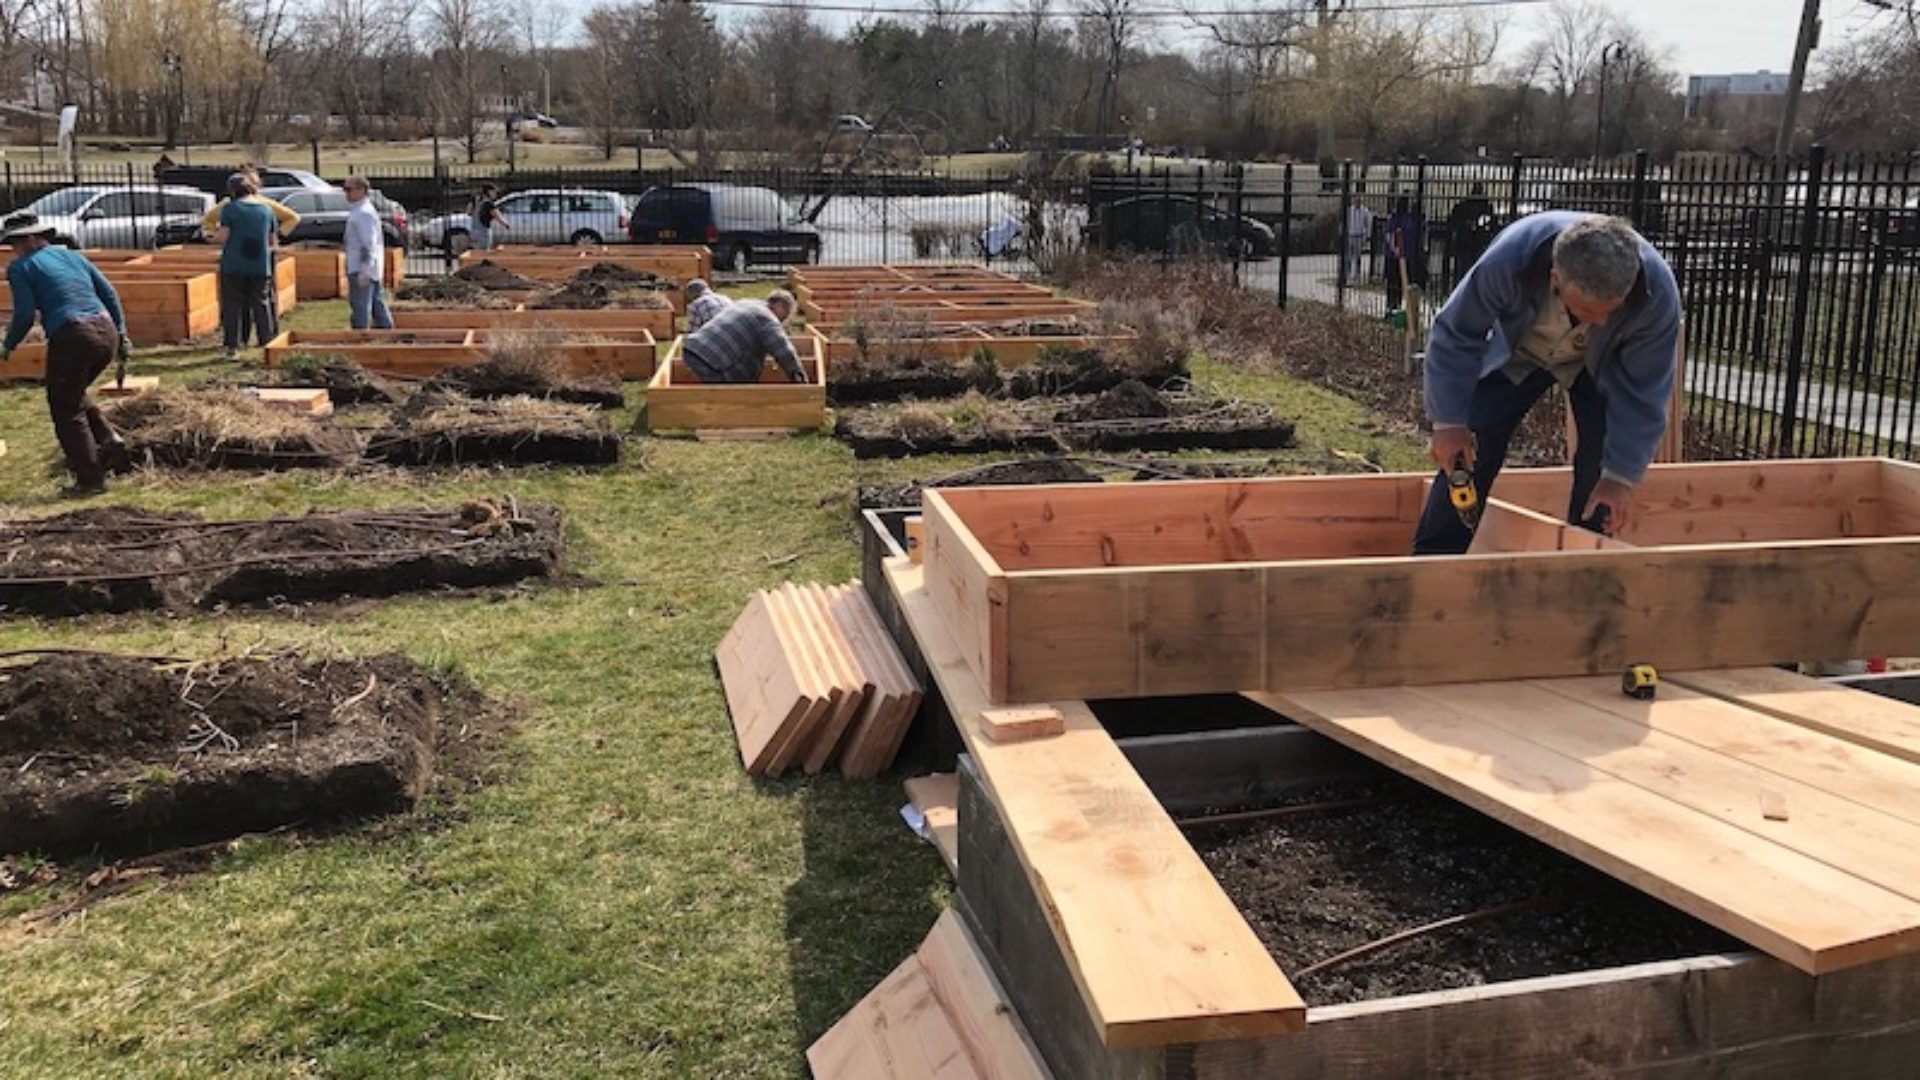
(128, 216)
(540, 216)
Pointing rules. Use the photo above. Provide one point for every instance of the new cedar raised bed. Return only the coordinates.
(28, 363)
(1095, 591)
(423, 353)
(678, 401)
(945, 310)
(677, 262)
(286, 274)
(611, 321)
(321, 270)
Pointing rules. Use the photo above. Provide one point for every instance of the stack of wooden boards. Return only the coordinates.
(812, 678)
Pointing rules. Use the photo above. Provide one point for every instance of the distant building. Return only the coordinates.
(1718, 96)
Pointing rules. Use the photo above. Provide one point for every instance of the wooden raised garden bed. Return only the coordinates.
(424, 353)
(206, 258)
(959, 342)
(678, 401)
(676, 262)
(611, 321)
(1218, 586)
(945, 310)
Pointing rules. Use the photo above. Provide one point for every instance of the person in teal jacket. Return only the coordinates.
(247, 228)
(1575, 300)
(79, 311)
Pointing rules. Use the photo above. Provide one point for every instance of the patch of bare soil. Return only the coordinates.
(490, 275)
(115, 559)
(607, 285)
(1054, 470)
(347, 383)
(491, 380)
(1317, 884)
(1128, 417)
(436, 427)
(115, 754)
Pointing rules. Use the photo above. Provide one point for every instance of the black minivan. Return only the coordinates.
(743, 225)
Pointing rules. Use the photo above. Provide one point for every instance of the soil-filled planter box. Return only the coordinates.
(678, 401)
(162, 307)
(941, 310)
(959, 343)
(117, 754)
(118, 560)
(613, 322)
(875, 274)
(424, 353)
(1091, 591)
(678, 264)
(1712, 1013)
(957, 291)
(320, 271)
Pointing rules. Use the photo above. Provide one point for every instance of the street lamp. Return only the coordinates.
(41, 66)
(1613, 54)
(513, 109)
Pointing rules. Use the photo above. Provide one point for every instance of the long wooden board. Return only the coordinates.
(939, 1016)
(1879, 723)
(1678, 817)
(1158, 951)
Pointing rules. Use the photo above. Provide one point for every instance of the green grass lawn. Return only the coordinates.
(625, 901)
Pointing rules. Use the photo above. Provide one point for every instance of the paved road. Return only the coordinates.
(1881, 416)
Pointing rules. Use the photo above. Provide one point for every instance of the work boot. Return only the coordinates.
(82, 490)
(114, 455)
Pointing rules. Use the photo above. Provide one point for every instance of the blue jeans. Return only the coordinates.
(1499, 405)
(367, 303)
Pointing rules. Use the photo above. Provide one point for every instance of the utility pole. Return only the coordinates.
(1322, 74)
(1611, 55)
(1796, 82)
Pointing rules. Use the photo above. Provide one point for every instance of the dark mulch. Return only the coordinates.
(606, 285)
(118, 755)
(1318, 884)
(492, 276)
(347, 383)
(895, 372)
(116, 559)
(486, 380)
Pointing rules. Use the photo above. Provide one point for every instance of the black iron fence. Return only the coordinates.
(1800, 279)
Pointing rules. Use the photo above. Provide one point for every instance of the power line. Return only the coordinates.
(1383, 7)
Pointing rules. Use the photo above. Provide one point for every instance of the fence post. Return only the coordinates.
(1418, 256)
(13, 201)
(1637, 195)
(133, 223)
(1802, 301)
(1286, 234)
(1517, 178)
(1340, 231)
(1239, 205)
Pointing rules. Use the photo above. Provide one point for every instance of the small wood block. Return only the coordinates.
(1022, 723)
(916, 536)
(136, 384)
(1773, 806)
(308, 401)
(3, 448)
(743, 434)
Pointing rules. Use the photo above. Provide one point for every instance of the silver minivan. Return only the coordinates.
(128, 216)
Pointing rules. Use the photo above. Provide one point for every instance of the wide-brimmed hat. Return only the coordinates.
(22, 225)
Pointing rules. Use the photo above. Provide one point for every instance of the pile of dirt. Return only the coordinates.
(437, 427)
(114, 559)
(115, 754)
(347, 383)
(607, 285)
(1050, 470)
(616, 276)
(893, 369)
(441, 292)
(1129, 417)
(225, 429)
(1314, 885)
(493, 277)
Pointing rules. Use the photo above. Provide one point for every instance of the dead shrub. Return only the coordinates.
(225, 429)
(526, 357)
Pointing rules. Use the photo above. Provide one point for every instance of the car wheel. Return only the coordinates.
(458, 243)
(587, 238)
(737, 258)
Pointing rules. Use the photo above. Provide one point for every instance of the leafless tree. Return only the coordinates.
(1112, 25)
(466, 37)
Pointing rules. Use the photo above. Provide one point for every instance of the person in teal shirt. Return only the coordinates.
(247, 227)
(86, 329)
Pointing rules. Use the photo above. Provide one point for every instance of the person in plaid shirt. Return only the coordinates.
(734, 344)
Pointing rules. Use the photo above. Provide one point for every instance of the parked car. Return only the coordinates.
(119, 217)
(323, 215)
(743, 225)
(213, 178)
(541, 216)
(849, 123)
(1181, 224)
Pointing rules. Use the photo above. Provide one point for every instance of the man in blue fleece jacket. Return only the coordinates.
(1574, 299)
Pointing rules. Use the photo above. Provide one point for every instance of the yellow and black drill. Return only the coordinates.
(1464, 496)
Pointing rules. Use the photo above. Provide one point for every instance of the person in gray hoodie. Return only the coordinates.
(1581, 301)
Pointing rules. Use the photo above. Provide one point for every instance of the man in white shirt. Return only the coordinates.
(1359, 231)
(366, 259)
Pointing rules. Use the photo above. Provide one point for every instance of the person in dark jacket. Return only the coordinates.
(79, 311)
(1406, 246)
(1575, 300)
(247, 298)
(1470, 228)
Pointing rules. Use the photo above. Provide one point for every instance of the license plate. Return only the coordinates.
(665, 234)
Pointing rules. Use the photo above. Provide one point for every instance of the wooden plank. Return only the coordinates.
(733, 435)
(807, 653)
(937, 797)
(134, 385)
(1790, 905)
(1870, 838)
(878, 738)
(867, 646)
(1020, 724)
(938, 1016)
(1158, 951)
(965, 584)
(1870, 720)
(764, 697)
(846, 672)
(295, 399)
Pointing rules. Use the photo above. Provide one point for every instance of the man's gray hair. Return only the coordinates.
(357, 181)
(1599, 256)
(782, 296)
(696, 289)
